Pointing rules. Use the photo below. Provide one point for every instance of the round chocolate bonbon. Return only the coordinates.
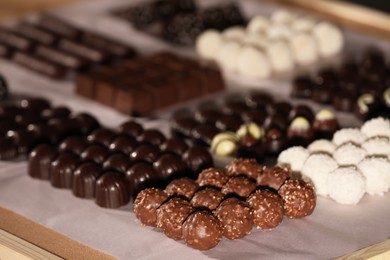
(35, 103)
(111, 190)
(84, 179)
(302, 87)
(243, 166)
(39, 161)
(25, 140)
(61, 170)
(236, 218)
(212, 177)
(202, 230)
(267, 209)
(273, 176)
(182, 187)
(171, 215)
(152, 136)
(131, 128)
(117, 162)
(65, 126)
(95, 152)
(183, 126)
(275, 141)
(145, 152)
(208, 115)
(123, 144)
(73, 144)
(55, 112)
(208, 197)
(239, 186)
(197, 159)
(174, 145)
(204, 133)
(102, 136)
(45, 133)
(146, 205)
(86, 122)
(170, 166)
(142, 175)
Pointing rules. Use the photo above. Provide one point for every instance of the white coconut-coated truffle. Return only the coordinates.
(283, 17)
(346, 185)
(227, 56)
(322, 146)
(279, 32)
(235, 33)
(376, 170)
(317, 168)
(346, 135)
(258, 24)
(349, 154)
(376, 127)
(208, 44)
(256, 40)
(303, 24)
(377, 146)
(293, 157)
(329, 37)
(253, 63)
(280, 56)
(304, 48)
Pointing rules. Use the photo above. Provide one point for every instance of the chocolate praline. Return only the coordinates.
(344, 100)
(258, 99)
(146, 205)
(267, 209)
(327, 78)
(24, 139)
(236, 218)
(39, 161)
(9, 149)
(273, 176)
(102, 136)
(142, 175)
(197, 159)
(145, 152)
(300, 132)
(208, 197)
(171, 215)
(322, 95)
(229, 123)
(256, 115)
(61, 170)
(204, 134)
(170, 166)
(174, 145)
(123, 144)
(152, 136)
(182, 187)
(7, 125)
(35, 103)
(280, 107)
(29, 117)
(45, 133)
(249, 147)
(208, 115)
(242, 166)
(111, 190)
(117, 162)
(10, 110)
(212, 177)
(234, 107)
(86, 122)
(302, 87)
(131, 128)
(73, 144)
(276, 120)
(84, 180)
(239, 185)
(183, 126)
(302, 111)
(275, 141)
(56, 112)
(325, 124)
(65, 126)
(95, 153)
(366, 106)
(202, 230)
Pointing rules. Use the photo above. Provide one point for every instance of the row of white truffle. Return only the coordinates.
(355, 162)
(271, 45)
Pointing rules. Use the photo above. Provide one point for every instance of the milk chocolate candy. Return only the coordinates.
(111, 190)
(39, 161)
(61, 170)
(84, 180)
(208, 197)
(182, 187)
(239, 185)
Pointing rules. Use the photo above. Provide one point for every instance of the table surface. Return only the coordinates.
(14, 8)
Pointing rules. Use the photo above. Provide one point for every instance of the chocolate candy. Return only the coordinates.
(236, 218)
(197, 159)
(240, 185)
(267, 209)
(170, 166)
(146, 205)
(273, 176)
(117, 162)
(302, 87)
(325, 124)
(152, 136)
(95, 153)
(242, 166)
(61, 170)
(212, 177)
(86, 122)
(56, 112)
(35, 103)
(102, 136)
(111, 190)
(202, 231)
(208, 115)
(141, 175)
(145, 152)
(171, 215)
(300, 132)
(183, 126)
(39, 161)
(182, 187)
(299, 198)
(123, 144)
(24, 140)
(84, 180)
(3, 88)
(174, 145)
(275, 141)
(73, 144)
(204, 134)
(131, 128)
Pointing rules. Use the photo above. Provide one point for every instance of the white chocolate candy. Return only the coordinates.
(346, 135)
(228, 54)
(322, 146)
(258, 24)
(253, 63)
(235, 33)
(208, 43)
(256, 40)
(224, 144)
(279, 32)
(329, 37)
(376, 127)
(325, 114)
(303, 24)
(377, 174)
(349, 154)
(293, 157)
(283, 17)
(300, 124)
(346, 185)
(280, 56)
(304, 48)
(252, 129)
(377, 146)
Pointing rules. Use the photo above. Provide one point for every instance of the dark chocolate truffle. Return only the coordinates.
(248, 167)
(204, 133)
(207, 198)
(208, 115)
(183, 126)
(280, 107)
(65, 126)
(182, 187)
(267, 209)
(142, 175)
(87, 123)
(84, 180)
(259, 99)
(131, 128)
(299, 198)
(45, 133)
(123, 144)
(145, 152)
(73, 144)
(102, 136)
(302, 87)
(111, 190)
(8, 149)
(170, 166)
(61, 170)
(152, 136)
(95, 153)
(171, 215)
(25, 140)
(275, 141)
(273, 176)
(302, 111)
(35, 103)
(197, 159)
(239, 185)
(40, 160)
(229, 123)
(174, 145)
(212, 177)
(117, 162)
(236, 218)
(56, 112)
(277, 120)
(325, 124)
(300, 132)
(202, 230)
(146, 204)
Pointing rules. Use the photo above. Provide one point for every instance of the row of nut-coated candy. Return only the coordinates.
(225, 203)
(113, 166)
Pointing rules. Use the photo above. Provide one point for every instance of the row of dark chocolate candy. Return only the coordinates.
(180, 21)
(112, 166)
(146, 84)
(360, 85)
(55, 48)
(280, 123)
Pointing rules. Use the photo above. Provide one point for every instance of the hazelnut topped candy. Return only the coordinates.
(212, 177)
(248, 167)
(183, 187)
(325, 124)
(300, 131)
(146, 204)
(239, 185)
(207, 198)
(273, 176)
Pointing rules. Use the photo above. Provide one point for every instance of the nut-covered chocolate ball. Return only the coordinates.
(239, 185)
(299, 198)
(171, 215)
(146, 204)
(273, 176)
(183, 187)
(212, 177)
(267, 209)
(207, 198)
(202, 230)
(236, 218)
(247, 167)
